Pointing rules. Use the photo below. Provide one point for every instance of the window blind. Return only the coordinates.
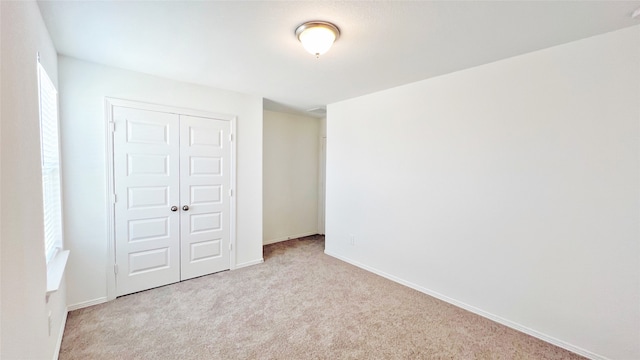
(50, 164)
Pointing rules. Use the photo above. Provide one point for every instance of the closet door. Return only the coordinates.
(205, 179)
(146, 177)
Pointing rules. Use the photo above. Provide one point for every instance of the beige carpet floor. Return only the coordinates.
(299, 304)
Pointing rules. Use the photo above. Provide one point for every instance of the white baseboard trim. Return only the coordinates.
(498, 319)
(249, 263)
(290, 237)
(63, 323)
(85, 304)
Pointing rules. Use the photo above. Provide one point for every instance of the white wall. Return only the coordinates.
(510, 188)
(1, 100)
(322, 171)
(83, 87)
(290, 190)
(24, 309)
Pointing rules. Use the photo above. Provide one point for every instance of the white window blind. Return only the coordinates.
(50, 164)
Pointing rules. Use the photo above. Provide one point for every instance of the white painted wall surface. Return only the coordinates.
(290, 190)
(83, 87)
(1, 100)
(322, 170)
(511, 188)
(24, 309)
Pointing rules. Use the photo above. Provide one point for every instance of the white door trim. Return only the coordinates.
(109, 103)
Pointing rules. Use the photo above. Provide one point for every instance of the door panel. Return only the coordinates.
(206, 194)
(205, 166)
(148, 229)
(145, 164)
(148, 260)
(146, 177)
(205, 249)
(204, 186)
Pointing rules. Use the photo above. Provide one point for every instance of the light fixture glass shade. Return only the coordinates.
(317, 36)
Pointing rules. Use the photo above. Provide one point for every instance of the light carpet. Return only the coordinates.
(299, 304)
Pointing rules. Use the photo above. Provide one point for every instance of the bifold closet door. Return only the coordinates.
(205, 179)
(146, 175)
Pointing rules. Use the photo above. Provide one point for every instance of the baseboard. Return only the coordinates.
(63, 323)
(85, 304)
(289, 237)
(490, 316)
(249, 263)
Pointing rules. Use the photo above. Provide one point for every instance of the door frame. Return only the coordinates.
(109, 104)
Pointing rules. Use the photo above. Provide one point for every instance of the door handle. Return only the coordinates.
(185, 208)
(174, 208)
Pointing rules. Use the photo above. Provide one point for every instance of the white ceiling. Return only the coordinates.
(250, 47)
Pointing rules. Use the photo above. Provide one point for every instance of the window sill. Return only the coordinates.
(55, 271)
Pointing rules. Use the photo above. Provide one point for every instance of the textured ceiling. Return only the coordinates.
(250, 47)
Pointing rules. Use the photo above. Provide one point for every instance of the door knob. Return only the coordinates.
(174, 208)
(185, 208)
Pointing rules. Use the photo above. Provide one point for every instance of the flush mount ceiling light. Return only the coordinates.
(317, 36)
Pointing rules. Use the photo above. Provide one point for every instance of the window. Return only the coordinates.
(50, 164)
